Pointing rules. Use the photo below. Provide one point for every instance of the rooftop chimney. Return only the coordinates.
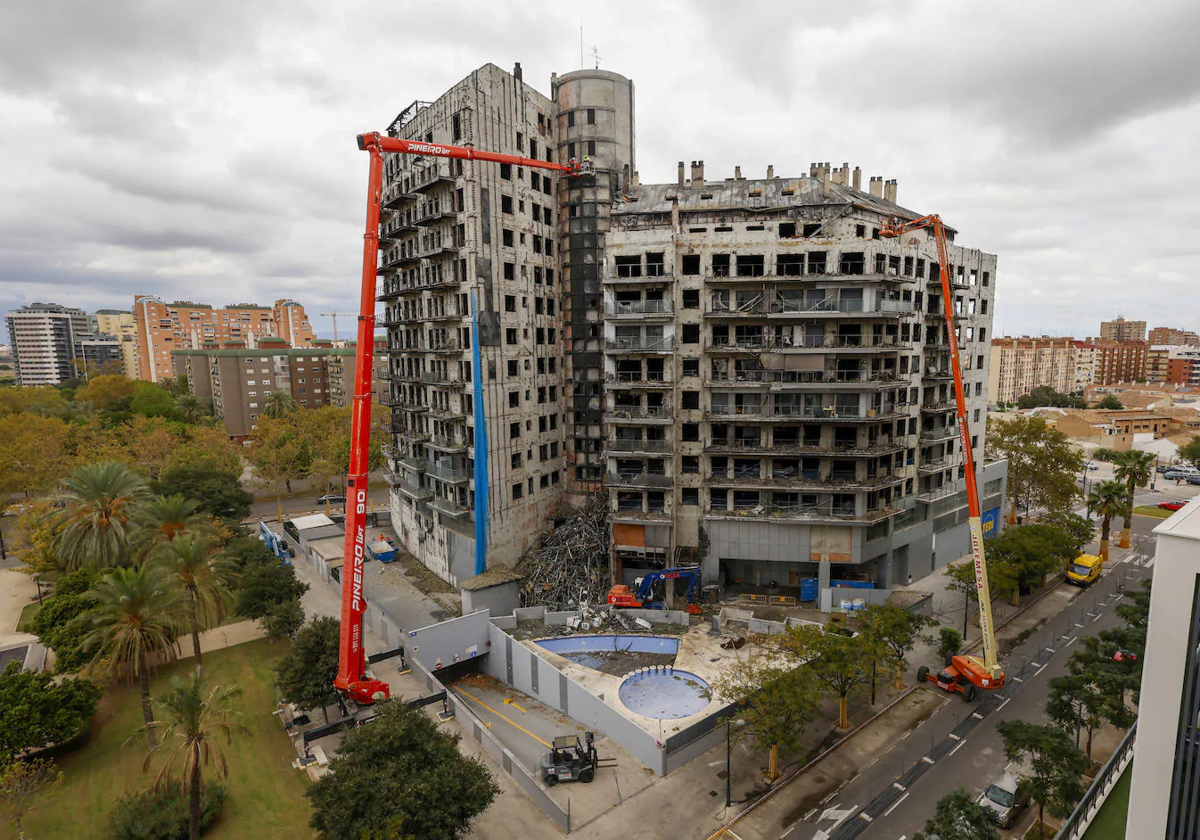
(737, 173)
(858, 178)
(698, 173)
(636, 178)
(517, 72)
(889, 191)
(877, 186)
(770, 171)
(681, 173)
(825, 182)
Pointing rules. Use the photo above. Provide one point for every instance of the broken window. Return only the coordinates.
(789, 265)
(591, 116)
(690, 400)
(787, 230)
(811, 228)
(691, 264)
(629, 266)
(691, 367)
(816, 262)
(720, 265)
(691, 299)
(751, 265)
(860, 231)
(654, 265)
(506, 238)
(690, 432)
(690, 334)
(506, 204)
(689, 464)
(853, 262)
(570, 118)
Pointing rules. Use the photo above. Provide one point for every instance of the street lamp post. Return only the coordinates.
(729, 724)
(37, 578)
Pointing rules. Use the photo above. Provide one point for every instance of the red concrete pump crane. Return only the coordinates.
(964, 673)
(352, 678)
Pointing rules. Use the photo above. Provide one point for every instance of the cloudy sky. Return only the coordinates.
(206, 150)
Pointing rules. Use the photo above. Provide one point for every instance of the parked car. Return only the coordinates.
(1124, 656)
(331, 498)
(1171, 505)
(1093, 467)
(1006, 799)
(1193, 479)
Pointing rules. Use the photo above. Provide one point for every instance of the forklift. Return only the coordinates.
(570, 760)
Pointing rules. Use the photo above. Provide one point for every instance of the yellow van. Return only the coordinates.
(1085, 569)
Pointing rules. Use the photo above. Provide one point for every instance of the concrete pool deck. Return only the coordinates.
(699, 654)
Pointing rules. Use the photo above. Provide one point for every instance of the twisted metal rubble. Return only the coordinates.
(568, 567)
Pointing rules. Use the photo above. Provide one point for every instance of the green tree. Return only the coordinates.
(305, 673)
(1110, 403)
(32, 453)
(196, 721)
(217, 491)
(279, 453)
(279, 404)
(950, 642)
(958, 817)
(1076, 531)
(1135, 468)
(189, 408)
(1053, 765)
(135, 623)
(401, 767)
(104, 390)
(1042, 463)
(163, 518)
(897, 632)
(1003, 578)
(840, 663)
(268, 591)
(1108, 499)
(22, 784)
(57, 623)
(1073, 703)
(95, 528)
(38, 710)
(204, 574)
(1190, 452)
(1032, 552)
(151, 400)
(1044, 395)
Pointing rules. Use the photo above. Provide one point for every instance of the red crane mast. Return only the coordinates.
(352, 679)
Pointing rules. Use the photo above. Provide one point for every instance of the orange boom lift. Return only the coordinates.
(964, 674)
(352, 679)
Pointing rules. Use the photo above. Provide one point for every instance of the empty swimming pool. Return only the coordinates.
(617, 655)
(664, 693)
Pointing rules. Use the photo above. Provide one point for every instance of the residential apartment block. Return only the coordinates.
(1172, 336)
(1122, 330)
(238, 380)
(1018, 365)
(756, 379)
(119, 324)
(162, 328)
(51, 344)
(1120, 361)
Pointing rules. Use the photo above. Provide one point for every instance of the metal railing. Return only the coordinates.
(805, 377)
(645, 478)
(655, 345)
(655, 377)
(1081, 818)
(638, 307)
(639, 445)
(653, 412)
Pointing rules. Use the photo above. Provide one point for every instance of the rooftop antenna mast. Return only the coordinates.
(596, 56)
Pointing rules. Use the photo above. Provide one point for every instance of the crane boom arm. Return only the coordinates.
(351, 677)
(895, 227)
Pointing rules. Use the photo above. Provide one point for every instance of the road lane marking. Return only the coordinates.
(957, 747)
(1007, 700)
(502, 717)
(894, 805)
(508, 701)
(789, 831)
(1068, 644)
(807, 816)
(1039, 670)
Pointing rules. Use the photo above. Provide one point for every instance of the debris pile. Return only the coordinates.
(568, 568)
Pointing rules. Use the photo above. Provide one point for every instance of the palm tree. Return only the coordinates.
(1107, 499)
(189, 407)
(279, 404)
(95, 529)
(193, 719)
(1134, 468)
(136, 618)
(163, 518)
(203, 573)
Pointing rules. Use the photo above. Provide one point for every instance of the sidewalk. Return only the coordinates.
(17, 590)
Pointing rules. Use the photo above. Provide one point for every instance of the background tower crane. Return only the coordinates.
(335, 316)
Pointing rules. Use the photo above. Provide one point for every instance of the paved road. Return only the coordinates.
(958, 748)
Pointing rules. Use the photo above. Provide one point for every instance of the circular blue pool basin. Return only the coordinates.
(664, 693)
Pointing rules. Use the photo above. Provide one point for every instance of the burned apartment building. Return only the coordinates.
(754, 378)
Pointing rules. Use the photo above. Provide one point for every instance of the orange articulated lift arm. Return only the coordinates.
(352, 679)
(895, 227)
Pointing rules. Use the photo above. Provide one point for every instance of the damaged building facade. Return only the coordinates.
(756, 379)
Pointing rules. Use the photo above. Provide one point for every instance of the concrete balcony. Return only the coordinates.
(655, 480)
(448, 475)
(449, 508)
(448, 445)
(932, 495)
(639, 309)
(939, 406)
(759, 447)
(936, 465)
(824, 414)
(843, 379)
(634, 379)
(443, 379)
(649, 414)
(941, 433)
(665, 344)
(754, 343)
(409, 488)
(651, 446)
(808, 481)
(819, 513)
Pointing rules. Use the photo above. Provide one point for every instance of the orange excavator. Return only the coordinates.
(964, 674)
(352, 679)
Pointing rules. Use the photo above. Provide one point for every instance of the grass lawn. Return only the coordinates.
(266, 796)
(1110, 822)
(27, 614)
(1154, 511)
